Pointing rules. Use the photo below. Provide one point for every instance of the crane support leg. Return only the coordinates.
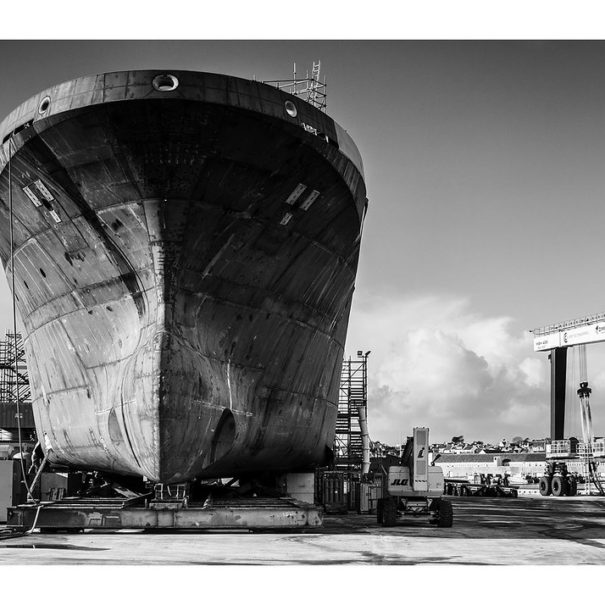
(558, 370)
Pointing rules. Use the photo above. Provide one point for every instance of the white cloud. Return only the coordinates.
(533, 369)
(436, 363)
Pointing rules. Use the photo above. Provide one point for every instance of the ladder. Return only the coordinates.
(313, 83)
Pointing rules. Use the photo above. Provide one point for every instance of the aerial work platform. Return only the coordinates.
(138, 513)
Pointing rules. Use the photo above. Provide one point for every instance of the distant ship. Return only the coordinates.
(185, 252)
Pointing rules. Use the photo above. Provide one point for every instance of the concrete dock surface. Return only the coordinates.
(486, 531)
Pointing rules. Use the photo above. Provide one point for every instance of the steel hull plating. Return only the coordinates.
(185, 310)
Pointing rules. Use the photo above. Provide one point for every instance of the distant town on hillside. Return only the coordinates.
(457, 445)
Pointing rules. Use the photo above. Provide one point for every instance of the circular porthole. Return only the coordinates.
(165, 82)
(291, 109)
(44, 105)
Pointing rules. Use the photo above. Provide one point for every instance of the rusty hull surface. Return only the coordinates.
(185, 311)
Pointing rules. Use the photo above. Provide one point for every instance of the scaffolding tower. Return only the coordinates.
(353, 395)
(15, 393)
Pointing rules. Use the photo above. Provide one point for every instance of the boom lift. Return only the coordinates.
(414, 487)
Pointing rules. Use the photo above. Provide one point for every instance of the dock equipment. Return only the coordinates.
(414, 487)
(589, 467)
(557, 480)
(488, 486)
(149, 512)
(558, 338)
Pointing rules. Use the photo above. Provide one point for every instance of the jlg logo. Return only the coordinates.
(400, 482)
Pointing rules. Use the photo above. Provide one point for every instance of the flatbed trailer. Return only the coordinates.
(74, 514)
(463, 487)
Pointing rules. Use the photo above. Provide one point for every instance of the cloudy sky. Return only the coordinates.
(485, 170)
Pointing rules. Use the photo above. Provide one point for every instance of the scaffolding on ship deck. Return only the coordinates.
(310, 88)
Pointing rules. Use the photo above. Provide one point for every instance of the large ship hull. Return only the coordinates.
(184, 266)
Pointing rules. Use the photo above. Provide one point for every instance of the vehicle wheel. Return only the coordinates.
(545, 486)
(559, 486)
(389, 512)
(572, 486)
(379, 509)
(446, 514)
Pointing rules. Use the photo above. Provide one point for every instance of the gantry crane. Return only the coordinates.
(557, 339)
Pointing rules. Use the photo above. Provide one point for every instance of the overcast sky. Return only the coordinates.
(485, 171)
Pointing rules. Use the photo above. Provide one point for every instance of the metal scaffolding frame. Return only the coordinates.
(353, 395)
(310, 88)
(14, 384)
